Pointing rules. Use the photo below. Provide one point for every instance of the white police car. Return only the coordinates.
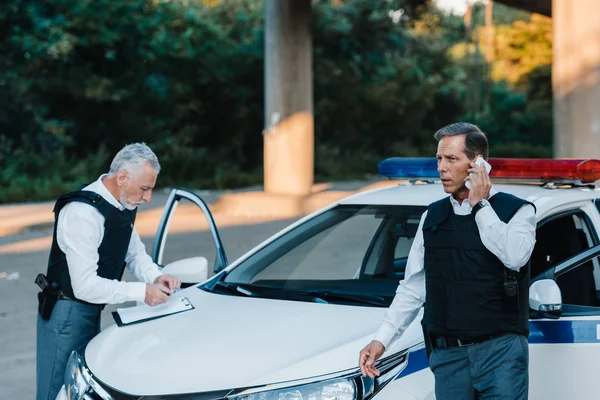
(287, 320)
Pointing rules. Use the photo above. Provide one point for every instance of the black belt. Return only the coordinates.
(62, 296)
(444, 342)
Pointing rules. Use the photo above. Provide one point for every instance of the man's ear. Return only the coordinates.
(122, 177)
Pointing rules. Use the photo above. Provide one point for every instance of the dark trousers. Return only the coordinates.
(71, 326)
(494, 369)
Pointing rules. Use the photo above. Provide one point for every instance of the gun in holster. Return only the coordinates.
(428, 339)
(47, 297)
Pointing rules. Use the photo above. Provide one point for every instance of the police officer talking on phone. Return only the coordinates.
(94, 239)
(468, 265)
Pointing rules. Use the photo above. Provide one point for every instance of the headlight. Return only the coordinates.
(79, 383)
(343, 389)
(348, 385)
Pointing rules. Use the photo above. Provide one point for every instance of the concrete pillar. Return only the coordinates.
(289, 125)
(576, 78)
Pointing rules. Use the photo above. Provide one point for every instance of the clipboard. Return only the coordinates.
(144, 313)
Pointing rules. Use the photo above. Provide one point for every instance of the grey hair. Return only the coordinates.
(132, 159)
(476, 141)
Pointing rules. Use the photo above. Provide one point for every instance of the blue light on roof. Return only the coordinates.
(406, 168)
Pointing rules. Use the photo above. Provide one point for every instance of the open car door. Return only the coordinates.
(187, 238)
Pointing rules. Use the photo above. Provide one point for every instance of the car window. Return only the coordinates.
(579, 286)
(404, 235)
(333, 253)
(559, 239)
(403, 246)
(354, 248)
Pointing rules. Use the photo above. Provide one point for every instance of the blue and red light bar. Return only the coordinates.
(510, 169)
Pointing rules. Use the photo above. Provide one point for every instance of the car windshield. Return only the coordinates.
(346, 255)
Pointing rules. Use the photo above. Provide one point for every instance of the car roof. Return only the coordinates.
(412, 194)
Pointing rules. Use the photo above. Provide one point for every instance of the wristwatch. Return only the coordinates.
(479, 205)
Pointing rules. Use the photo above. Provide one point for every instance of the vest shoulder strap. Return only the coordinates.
(84, 196)
(437, 212)
(506, 205)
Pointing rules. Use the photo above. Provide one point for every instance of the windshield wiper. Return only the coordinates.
(235, 288)
(312, 295)
(326, 296)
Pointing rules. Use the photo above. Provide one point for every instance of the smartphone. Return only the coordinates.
(479, 161)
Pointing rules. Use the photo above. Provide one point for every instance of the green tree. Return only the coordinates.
(521, 48)
(519, 118)
(80, 78)
(382, 84)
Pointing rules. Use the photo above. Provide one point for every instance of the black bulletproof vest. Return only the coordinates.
(118, 226)
(465, 281)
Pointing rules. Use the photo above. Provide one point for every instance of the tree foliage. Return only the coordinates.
(517, 112)
(81, 78)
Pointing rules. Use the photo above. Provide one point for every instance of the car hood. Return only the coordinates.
(229, 342)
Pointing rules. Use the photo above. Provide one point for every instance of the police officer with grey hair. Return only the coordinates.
(94, 239)
(468, 265)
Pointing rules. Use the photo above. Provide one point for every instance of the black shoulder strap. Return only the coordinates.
(437, 212)
(506, 205)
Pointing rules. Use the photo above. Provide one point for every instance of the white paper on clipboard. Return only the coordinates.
(132, 315)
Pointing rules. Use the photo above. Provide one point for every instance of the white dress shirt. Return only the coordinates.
(512, 243)
(79, 234)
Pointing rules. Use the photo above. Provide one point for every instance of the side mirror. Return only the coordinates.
(545, 300)
(190, 270)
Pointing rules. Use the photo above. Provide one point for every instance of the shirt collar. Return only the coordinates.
(102, 190)
(455, 202)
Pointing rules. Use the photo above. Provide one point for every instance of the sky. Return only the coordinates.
(455, 6)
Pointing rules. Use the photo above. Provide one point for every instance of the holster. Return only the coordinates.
(46, 301)
(511, 291)
(427, 337)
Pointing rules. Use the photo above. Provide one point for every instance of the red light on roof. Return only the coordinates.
(566, 170)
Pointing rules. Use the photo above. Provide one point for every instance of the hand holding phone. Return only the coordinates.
(479, 161)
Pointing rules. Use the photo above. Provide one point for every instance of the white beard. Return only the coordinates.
(126, 204)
